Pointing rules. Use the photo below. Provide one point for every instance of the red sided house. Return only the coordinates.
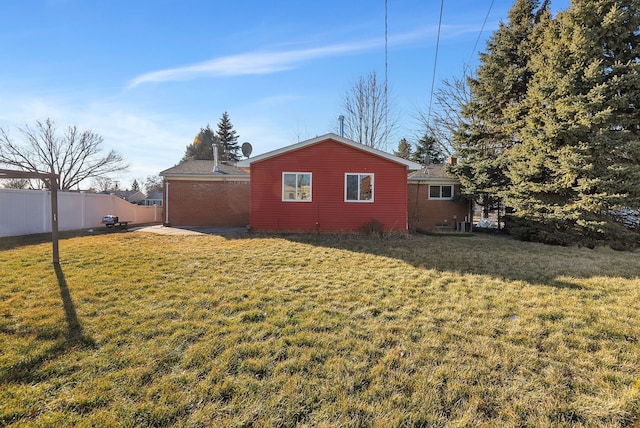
(328, 184)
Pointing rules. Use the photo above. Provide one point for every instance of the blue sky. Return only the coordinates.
(147, 75)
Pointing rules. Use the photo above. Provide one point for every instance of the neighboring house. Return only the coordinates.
(154, 199)
(434, 201)
(132, 196)
(328, 184)
(196, 193)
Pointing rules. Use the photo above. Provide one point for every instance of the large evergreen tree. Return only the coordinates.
(493, 115)
(404, 149)
(428, 151)
(228, 139)
(579, 162)
(202, 146)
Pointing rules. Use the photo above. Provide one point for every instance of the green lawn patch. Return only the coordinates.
(137, 329)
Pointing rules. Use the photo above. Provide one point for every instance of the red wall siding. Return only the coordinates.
(208, 203)
(328, 161)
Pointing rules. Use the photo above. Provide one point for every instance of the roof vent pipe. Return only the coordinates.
(216, 161)
(341, 125)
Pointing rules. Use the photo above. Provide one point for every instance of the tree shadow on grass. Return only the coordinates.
(495, 256)
(12, 242)
(74, 335)
(74, 338)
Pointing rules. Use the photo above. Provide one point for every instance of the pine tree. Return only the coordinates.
(202, 146)
(428, 151)
(480, 167)
(579, 161)
(493, 116)
(404, 149)
(228, 139)
(135, 186)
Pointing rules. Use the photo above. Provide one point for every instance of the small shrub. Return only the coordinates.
(374, 227)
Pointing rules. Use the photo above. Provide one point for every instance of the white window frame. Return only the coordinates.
(296, 191)
(359, 174)
(447, 198)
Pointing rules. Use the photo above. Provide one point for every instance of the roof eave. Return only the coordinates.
(206, 176)
(454, 180)
(411, 166)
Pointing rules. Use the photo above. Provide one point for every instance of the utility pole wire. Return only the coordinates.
(386, 69)
(435, 63)
(481, 31)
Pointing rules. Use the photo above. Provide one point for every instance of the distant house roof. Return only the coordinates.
(409, 164)
(204, 170)
(432, 172)
(127, 195)
(155, 196)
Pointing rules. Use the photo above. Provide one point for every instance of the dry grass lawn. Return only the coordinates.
(137, 329)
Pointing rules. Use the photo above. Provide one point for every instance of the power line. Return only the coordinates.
(481, 30)
(435, 63)
(386, 72)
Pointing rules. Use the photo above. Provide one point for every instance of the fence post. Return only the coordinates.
(45, 217)
(54, 218)
(82, 202)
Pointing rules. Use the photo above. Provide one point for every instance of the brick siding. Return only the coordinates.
(426, 214)
(208, 203)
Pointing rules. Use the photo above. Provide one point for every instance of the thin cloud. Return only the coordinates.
(267, 62)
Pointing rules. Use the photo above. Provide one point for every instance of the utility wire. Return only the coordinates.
(386, 74)
(435, 64)
(481, 31)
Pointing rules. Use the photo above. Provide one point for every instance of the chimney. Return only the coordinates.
(452, 161)
(216, 164)
(341, 125)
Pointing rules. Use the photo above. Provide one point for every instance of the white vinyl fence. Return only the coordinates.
(25, 212)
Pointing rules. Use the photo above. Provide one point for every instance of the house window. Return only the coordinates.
(441, 191)
(296, 186)
(358, 187)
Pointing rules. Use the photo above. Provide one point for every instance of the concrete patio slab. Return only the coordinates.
(194, 231)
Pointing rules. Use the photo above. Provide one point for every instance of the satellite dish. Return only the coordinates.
(246, 149)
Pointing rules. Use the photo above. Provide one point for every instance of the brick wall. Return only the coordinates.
(208, 203)
(425, 213)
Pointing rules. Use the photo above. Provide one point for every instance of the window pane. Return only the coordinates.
(289, 186)
(365, 188)
(352, 187)
(446, 191)
(304, 187)
(434, 191)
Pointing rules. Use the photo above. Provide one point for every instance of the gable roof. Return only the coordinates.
(122, 193)
(204, 169)
(350, 143)
(155, 196)
(432, 172)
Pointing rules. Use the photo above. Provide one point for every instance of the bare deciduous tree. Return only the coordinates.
(15, 183)
(102, 184)
(369, 118)
(153, 184)
(75, 156)
(445, 118)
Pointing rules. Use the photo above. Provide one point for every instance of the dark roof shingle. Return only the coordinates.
(203, 168)
(431, 172)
